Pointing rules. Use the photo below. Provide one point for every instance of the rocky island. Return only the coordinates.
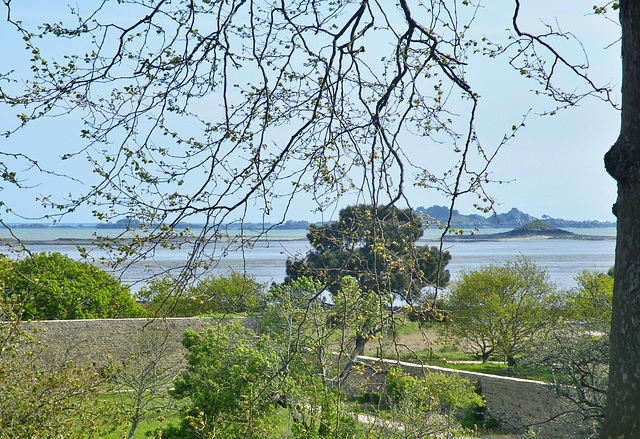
(537, 229)
(511, 219)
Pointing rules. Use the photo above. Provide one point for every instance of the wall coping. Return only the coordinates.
(448, 370)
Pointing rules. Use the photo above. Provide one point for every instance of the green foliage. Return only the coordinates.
(296, 309)
(227, 384)
(54, 286)
(64, 403)
(376, 246)
(47, 404)
(476, 415)
(499, 308)
(236, 293)
(590, 302)
(425, 405)
(361, 315)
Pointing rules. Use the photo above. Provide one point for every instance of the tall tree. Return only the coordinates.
(376, 246)
(623, 163)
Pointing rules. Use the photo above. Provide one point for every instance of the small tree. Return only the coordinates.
(38, 403)
(579, 365)
(297, 323)
(590, 302)
(228, 385)
(500, 308)
(361, 316)
(143, 382)
(425, 406)
(54, 286)
(575, 350)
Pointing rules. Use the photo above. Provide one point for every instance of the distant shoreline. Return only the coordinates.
(83, 236)
(494, 238)
(81, 242)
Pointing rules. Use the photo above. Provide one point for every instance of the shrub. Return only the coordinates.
(235, 293)
(53, 286)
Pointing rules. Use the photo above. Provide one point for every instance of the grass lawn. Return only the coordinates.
(494, 368)
(147, 426)
(451, 357)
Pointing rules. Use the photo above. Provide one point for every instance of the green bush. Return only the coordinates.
(476, 416)
(236, 293)
(425, 406)
(52, 286)
(226, 385)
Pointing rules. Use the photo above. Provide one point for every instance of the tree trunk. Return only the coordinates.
(358, 349)
(511, 362)
(622, 419)
(132, 430)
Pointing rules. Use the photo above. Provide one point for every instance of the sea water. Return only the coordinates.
(266, 259)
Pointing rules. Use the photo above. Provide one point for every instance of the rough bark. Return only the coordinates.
(622, 419)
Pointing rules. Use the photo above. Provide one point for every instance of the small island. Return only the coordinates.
(537, 229)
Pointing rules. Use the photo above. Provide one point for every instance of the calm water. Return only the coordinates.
(563, 259)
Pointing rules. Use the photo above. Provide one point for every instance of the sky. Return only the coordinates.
(554, 166)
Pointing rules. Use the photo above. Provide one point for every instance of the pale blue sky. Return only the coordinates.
(554, 166)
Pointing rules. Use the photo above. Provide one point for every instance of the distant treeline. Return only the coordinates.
(289, 225)
(512, 219)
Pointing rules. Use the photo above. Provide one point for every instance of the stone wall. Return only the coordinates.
(515, 402)
(518, 404)
(98, 342)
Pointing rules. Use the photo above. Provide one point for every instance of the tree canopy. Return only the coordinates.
(590, 301)
(377, 247)
(227, 294)
(52, 286)
(500, 308)
(223, 383)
